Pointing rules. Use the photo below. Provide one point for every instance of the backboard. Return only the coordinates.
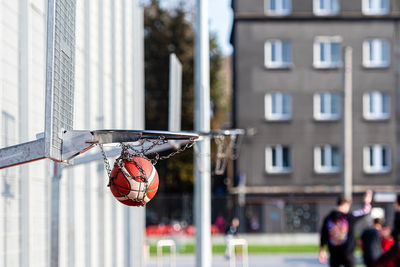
(60, 142)
(175, 93)
(60, 67)
(59, 102)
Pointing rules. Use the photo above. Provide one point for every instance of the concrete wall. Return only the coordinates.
(94, 228)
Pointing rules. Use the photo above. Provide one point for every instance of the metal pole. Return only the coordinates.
(242, 201)
(55, 215)
(202, 192)
(348, 124)
(24, 126)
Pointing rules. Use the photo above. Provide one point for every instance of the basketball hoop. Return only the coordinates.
(228, 144)
(140, 151)
(145, 144)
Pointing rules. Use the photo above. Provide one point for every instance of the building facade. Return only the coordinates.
(288, 85)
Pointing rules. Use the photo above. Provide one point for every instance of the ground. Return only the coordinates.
(255, 260)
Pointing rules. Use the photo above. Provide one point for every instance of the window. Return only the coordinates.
(326, 7)
(376, 53)
(326, 159)
(326, 106)
(377, 159)
(9, 138)
(278, 7)
(375, 7)
(327, 52)
(277, 159)
(376, 106)
(277, 54)
(278, 106)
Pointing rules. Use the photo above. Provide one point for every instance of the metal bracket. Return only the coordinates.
(22, 153)
(75, 143)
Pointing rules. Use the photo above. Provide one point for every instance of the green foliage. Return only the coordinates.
(256, 249)
(166, 32)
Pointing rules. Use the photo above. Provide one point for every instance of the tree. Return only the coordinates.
(169, 31)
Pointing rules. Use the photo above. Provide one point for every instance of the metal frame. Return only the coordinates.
(175, 93)
(231, 247)
(60, 68)
(60, 62)
(74, 143)
(225, 132)
(166, 243)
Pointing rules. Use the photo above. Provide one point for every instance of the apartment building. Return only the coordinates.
(288, 85)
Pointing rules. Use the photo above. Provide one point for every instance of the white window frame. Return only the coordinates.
(329, 101)
(318, 11)
(377, 45)
(280, 115)
(328, 158)
(375, 9)
(279, 11)
(379, 99)
(279, 168)
(317, 52)
(279, 46)
(377, 152)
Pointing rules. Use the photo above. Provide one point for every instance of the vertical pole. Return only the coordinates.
(71, 217)
(348, 124)
(113, 122)
(55, 215)
(23, 118)
(202, 162)
(100, 125)
(242, 201)
(87, 121)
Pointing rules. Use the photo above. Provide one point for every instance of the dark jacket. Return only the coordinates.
(338, 230)
(396, 228)
(371, 244)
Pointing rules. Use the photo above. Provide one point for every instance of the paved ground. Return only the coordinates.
(273, 260)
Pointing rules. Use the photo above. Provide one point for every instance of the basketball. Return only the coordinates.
(134, 182)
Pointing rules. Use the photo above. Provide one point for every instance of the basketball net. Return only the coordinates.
(227, 149)
(144, 148)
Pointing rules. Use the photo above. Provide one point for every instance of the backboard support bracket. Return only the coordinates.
(76, 142)
(22, 153)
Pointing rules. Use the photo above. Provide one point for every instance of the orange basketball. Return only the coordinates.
(134, 182)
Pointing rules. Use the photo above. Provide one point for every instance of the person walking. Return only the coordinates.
(230, 232)
(387, 242)
(393, 254)
(371, 243)
(337, 232)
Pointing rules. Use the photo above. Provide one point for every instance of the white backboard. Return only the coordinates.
(175, 93)
(59, 102)
(60, 67)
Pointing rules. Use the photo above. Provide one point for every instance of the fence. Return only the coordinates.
(260, 214)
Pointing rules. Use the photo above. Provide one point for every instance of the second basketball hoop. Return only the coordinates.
(227, 147)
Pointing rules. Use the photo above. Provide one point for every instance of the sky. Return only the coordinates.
(220, 20)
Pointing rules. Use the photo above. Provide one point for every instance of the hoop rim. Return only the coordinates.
(224, 132)
(120, 136)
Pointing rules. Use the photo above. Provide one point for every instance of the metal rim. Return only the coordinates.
(225, 132)
(120, 136)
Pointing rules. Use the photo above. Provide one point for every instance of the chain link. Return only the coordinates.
(106, 162)
(227, 148)
(180, 150)
(141, 150)
(128, 154)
